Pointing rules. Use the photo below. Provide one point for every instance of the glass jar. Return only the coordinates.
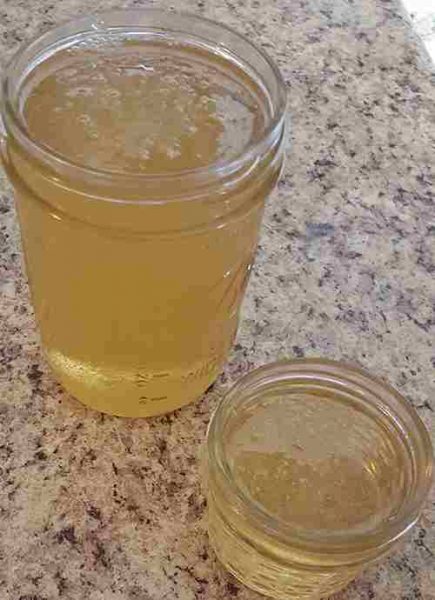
(138, 265)
(313, 469)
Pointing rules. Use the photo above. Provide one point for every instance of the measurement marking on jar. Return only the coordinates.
(145, 399)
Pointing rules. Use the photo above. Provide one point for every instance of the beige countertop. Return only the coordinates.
(100, 508)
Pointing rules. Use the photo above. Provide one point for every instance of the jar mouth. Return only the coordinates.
(221, 39)
(346, 544)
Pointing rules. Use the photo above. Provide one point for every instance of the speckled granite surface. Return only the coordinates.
(99, 508)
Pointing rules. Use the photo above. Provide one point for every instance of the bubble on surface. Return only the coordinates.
(145, 106)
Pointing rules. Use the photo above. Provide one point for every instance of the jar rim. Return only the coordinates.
(106, 21)
(346, 548)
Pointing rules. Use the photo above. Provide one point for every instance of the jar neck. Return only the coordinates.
(150, 189)
(136, 210)
(218, 41)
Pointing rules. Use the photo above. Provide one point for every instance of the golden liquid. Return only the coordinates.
(137, 302)
(315, 465)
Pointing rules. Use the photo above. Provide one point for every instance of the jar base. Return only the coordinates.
(132, 393)
(268, 575)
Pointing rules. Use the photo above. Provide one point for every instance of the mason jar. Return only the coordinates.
(313, 470)
(141, 145)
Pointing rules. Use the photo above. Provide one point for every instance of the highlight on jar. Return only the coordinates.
(313, 470)
(141, 146)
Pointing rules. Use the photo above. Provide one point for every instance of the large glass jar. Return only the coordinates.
(141, 146)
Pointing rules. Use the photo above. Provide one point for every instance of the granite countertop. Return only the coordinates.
(100, 508)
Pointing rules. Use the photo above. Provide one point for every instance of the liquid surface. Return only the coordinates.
(317, 463)
(137, 302)
(150, 107)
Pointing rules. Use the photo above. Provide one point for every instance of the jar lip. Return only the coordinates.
(100, 21)
(347, 546)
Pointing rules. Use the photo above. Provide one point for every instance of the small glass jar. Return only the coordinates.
(313, 469)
